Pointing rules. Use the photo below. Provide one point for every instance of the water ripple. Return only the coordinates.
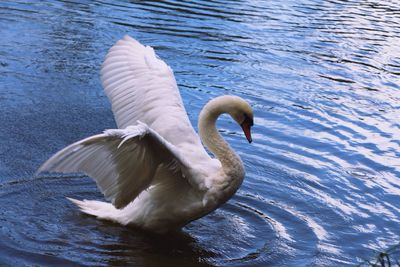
(323, 174)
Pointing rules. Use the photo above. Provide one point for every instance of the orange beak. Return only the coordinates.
(246, 127)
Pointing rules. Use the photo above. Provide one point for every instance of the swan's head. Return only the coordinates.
(242, 113)
(235, 106)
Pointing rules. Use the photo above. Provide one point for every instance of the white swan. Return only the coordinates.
(154, 168)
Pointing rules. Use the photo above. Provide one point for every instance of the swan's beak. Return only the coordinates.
(246, 127)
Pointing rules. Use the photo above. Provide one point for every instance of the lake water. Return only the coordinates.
(322, 186)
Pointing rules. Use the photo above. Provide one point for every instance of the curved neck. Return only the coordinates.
(231, 162)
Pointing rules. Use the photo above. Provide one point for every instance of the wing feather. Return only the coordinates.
(123, 162)
(142, 87)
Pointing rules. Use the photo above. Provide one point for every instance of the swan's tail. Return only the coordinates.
(101, 210)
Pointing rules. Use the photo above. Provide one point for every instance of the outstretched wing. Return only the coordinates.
(142, 87)
(123, 162)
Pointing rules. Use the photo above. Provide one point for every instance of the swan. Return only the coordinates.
(154, 169)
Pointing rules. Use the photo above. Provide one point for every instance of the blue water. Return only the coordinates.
(322, 186)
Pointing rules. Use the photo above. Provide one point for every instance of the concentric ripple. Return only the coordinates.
(41, 219)
(322, 175)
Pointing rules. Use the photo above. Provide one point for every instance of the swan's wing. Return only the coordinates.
(123, 162)
(142, 87)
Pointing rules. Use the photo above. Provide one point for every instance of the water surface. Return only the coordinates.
(323, 173)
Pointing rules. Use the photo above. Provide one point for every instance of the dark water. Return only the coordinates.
(323, 174)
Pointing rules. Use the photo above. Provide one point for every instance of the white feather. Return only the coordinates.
(153, 169)
(122, 161)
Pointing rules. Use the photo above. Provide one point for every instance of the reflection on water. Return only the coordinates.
(322, 185)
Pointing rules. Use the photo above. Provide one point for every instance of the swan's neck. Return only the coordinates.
(231, 163)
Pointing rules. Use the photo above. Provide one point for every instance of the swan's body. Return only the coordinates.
(154, 168)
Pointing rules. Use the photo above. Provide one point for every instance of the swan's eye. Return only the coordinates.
(247, 120)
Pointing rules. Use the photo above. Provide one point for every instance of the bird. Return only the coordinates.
(153, 169)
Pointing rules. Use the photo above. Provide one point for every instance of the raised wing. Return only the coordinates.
(142, 87)
(123, 162)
